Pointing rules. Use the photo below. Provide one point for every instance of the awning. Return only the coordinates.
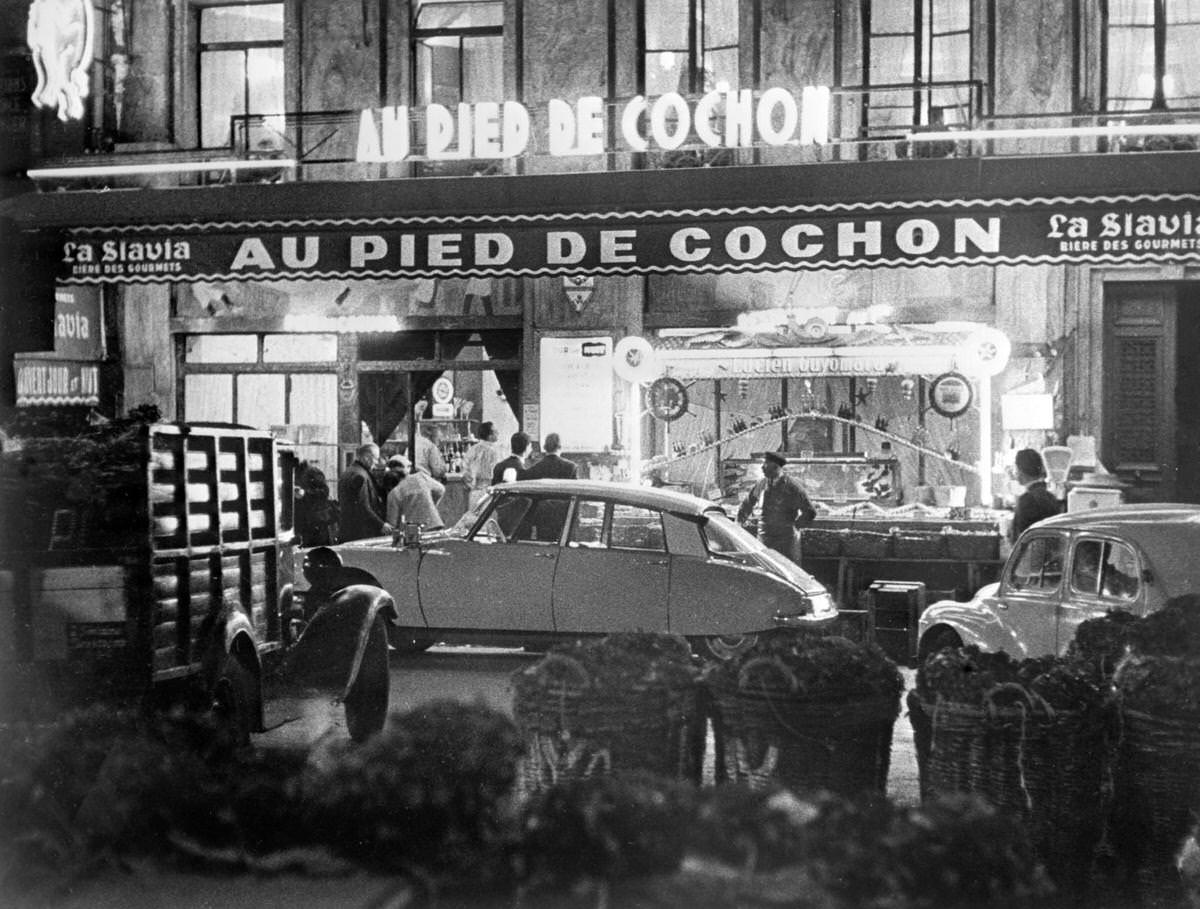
(1116, 208)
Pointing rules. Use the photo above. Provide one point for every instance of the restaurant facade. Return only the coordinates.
(891, 239)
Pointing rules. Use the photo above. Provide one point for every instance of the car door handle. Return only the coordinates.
(436, 552)
(546, 555)
(658, 562)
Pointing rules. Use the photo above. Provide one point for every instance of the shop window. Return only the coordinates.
(917, 44)
(1149, 53)
(221, 349)
(240, 51)
(300, 348)
(691, 46)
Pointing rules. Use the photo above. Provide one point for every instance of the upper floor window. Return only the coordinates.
(918, 43)
(241, 66)
(458, 48)
(691, 46)
(1149, 53)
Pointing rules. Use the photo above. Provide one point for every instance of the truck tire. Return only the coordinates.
(367, 700)
(233, 700)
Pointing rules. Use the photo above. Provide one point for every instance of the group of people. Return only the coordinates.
(373, 503)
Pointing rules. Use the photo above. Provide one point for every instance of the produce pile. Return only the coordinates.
(612, 663)
(973, 678)
(802, 666)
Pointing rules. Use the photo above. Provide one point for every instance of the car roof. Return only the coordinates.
(644, 496)
(1164, 527)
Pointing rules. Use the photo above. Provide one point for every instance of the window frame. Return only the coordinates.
(1106, 547)
(1160, 25)
(1027, 542)
(697, 51)
(200, 48)
(417, 35)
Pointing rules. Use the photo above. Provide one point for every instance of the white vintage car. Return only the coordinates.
(538, 560)
(1071, 568)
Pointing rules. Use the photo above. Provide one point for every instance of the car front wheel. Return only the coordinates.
(726, 647)
(938, 638)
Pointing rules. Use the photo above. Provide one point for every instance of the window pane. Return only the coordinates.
(257, 22)
(312, 410)
(208, 399)
(221, 349)
(637, 528)
(222, 92)
(1039, 566)
(666, 24)
(483, 69)
(299, 348)
(1182, 80)
(720, 23)
(588, 529)
(438, 76)
(892, 60)
(1131, 12)
(260, 401)
(265, 73)
(950, 15)
(1120, 573)
(1131, 64)
(892, 16)
(950, 58)
(543, 522)
(666, 72)
(721, 69)
(446, 14)
(1085, 571)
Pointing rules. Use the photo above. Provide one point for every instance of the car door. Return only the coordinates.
(1027, 604)
(613, 574)
(502, 576)
(1105, 574)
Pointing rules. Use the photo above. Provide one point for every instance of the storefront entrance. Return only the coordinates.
(1152, 411)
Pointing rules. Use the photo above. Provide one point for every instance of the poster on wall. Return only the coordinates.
(577, 391)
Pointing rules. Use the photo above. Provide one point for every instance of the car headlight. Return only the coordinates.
(806, 607)
(822, 603)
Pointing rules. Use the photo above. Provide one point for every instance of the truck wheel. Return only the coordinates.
(726, 647)
(367, 700)
(233, 700)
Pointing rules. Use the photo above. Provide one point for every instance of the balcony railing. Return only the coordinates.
(879, 122)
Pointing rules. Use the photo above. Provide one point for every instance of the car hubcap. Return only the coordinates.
(728, 646)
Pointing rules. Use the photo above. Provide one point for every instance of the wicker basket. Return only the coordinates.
(767, 734)
(1043, 766)
(574, 728)
(1157, 793)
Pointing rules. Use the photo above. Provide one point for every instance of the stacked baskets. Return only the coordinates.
(627, 702)
(808, 712)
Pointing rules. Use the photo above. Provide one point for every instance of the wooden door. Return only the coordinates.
(1140, 371)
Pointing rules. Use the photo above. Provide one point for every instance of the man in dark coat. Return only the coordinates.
(362, 513)
(1036, 502)
(552, 466)
(515, 462)
(785, 506)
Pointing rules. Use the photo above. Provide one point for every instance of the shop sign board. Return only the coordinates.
(46, 380)
(78, 329)
(1114, 230)
(876, 360)
(576, 383)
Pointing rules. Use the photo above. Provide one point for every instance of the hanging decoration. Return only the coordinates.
(950, 394)
(667, 399)
(634, 359)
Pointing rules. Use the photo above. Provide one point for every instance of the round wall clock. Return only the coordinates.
(668, 399)
(950, 394)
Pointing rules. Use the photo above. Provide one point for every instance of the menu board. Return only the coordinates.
(577, 391)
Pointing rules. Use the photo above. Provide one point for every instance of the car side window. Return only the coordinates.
(587, 529)
(637, 528)
(1085, 566)
(1038, 567)
(542, 522)
(1119, 577)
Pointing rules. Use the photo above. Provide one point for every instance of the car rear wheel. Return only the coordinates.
(367, 700)
(726, 647)
(938, 638)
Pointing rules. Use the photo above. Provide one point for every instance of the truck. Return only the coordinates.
(153, 562)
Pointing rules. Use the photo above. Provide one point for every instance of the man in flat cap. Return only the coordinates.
(785, 506)
(1037, 502)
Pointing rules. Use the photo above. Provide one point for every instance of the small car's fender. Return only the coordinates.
(329, 651)
(974, 622)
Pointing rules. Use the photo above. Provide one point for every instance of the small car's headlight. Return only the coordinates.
(321, 566)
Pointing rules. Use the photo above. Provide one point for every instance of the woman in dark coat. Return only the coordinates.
(316, 513)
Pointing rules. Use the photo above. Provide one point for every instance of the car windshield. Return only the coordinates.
(727, 538)
(464, 524)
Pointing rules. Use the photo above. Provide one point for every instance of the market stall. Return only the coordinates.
(881, 423)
